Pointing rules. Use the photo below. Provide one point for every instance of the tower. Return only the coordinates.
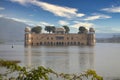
(27, 36)
(91, 37)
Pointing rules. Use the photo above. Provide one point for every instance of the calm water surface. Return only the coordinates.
(104, 58)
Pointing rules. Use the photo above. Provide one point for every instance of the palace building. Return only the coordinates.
(59, 38)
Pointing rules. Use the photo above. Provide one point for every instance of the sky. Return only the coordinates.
(103, 15)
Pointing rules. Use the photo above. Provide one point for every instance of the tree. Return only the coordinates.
(53, 29)
(50, 29)
(82, 29)
(66, 29)
(37, 29)
(13, 71)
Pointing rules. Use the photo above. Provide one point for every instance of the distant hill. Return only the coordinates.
(11, 30)
(108, 38)
(105, 35)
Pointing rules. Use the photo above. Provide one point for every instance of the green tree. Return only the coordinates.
(15, 72)
(66, 28)
(37, 29)
(82, 29)
(50, 29)
(53, 29)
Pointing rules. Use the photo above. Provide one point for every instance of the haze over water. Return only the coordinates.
(104, 58)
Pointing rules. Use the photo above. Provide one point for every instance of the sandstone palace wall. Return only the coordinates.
(58, 39)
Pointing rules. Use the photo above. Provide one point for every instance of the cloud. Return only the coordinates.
(61, 11)
(117, 30)
(23, 2)
(61, 22)
(2, 8)
(20, 20)
(16, 19)
(112, 9)
(58, 10)
(31, 15)
(97, 16)
(42, 23)
(107, 30)
(1, 15)
(80, 15)
(85, 24)
(26, 21)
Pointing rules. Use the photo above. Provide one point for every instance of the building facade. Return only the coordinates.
(59, 38)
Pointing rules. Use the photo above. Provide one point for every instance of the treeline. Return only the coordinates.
(114, 39)
(108, 40)
(38, 29)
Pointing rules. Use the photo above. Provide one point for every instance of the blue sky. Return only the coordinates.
(103, 15)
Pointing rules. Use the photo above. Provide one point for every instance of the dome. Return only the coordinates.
(91, 30)
(27, 29)
(60, 29)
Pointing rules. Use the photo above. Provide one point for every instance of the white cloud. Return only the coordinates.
(61, 22)
(23, 2)
(58, 10)
(15, 19)
(55, 9)
(92, 18)
(107, 30)
(1, 15)
(112, 9)
(19, 20)
(26, 21)
(80, 15)
(31, 15)
(85, 24)
(97, 16)
(45, 24)
(115, 30)
(2, 8)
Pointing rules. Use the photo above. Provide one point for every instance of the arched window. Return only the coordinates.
(51, 38)
(82, 43)
(44, 43)
(74, 43)
(67, 38)
(51, 43)
(48, 43)
(67, 43)
(40, 43)
(54, 43)
(47, 38)
(32, 44)
(62, 43)
(71, 38)
(37, 44)
(57, 43)
(78, 43)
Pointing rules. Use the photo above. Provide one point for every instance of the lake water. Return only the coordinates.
(104, 58)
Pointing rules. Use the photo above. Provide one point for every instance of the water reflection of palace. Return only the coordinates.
(71, 59)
